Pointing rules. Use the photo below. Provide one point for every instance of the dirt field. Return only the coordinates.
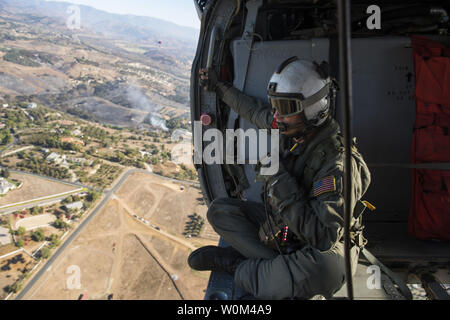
(32, 188)
(35, 222)
(162, 202)
(120, 255)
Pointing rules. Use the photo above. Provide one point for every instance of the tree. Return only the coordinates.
(5, 173)
(119, 157)
(38, 235)
(45, 253)
(154, 160)
(69, 199)
(93, 196)
(20, 243)
(54, 238)
(15, 287)
(60, 224)
(37, 210)
(21, 231)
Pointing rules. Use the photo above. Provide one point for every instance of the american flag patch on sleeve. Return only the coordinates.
(324, 185)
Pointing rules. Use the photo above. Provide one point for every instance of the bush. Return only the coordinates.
(20, 243)
(54, 238)
(60, 224)
(5, 137)
(45, 253)
(37, 210)
(69, 199)
(15, 287)
(93, 196)
(20, 231)
(38, 235)
(22, 57)
(5, 173)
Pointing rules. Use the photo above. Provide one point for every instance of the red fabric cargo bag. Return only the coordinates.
(429, 216)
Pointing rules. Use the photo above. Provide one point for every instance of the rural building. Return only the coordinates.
(5, 186)
(77, 132)
(4, 236)
(74, 205)
(32, 106)
(53, 157)
(145, 154)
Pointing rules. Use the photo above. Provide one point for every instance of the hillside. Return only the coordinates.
(112, 62)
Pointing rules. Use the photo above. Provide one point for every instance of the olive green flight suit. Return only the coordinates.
(293, 197)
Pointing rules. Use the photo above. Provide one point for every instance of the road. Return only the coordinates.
(8, 146)
(108, 194)
(75, 184)
(73, 236)
(44, 201)
(15, 151)
(30, 204)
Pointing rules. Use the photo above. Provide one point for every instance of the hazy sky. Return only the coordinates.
(181, 12)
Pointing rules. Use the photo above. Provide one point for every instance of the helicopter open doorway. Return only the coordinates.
(246, 40)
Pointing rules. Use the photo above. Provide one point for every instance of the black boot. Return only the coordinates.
(215, 259)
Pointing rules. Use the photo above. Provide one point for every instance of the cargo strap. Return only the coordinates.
(395, 279)
(250, 25)
(359, 240)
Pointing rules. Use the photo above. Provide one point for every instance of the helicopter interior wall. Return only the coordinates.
(383, 108)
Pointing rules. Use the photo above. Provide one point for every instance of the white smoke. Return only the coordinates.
(140, 101)
(158, 122)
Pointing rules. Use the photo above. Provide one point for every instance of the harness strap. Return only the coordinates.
(359, 240)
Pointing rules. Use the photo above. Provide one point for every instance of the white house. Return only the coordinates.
(5, 186)
(75, 205)
(77, 133)
(5, 237)
(52, 156)
(145, 154)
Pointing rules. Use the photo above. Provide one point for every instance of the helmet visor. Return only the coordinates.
(286, 106)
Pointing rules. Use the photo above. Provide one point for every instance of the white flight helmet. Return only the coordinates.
(302, 87)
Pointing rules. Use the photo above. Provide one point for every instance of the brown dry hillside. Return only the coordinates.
(120, 79)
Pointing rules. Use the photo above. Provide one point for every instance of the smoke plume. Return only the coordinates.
(140, 101)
